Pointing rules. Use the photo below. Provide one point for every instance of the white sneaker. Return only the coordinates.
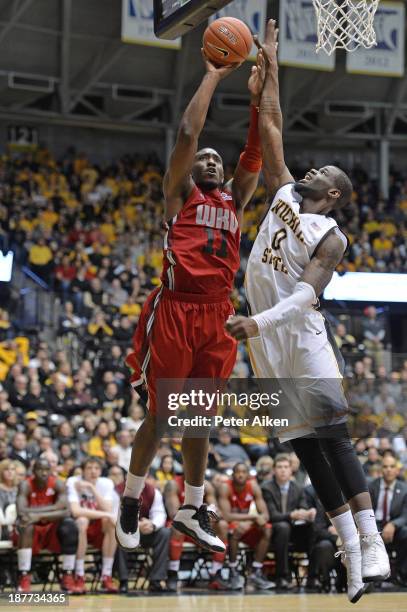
(351, 557)
(127, 528)
(196, 524)
(375, 560)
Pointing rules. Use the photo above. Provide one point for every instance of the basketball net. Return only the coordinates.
(345, 24)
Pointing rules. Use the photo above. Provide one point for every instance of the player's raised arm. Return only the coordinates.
(178, 182)
(275, 170)
(246, 175)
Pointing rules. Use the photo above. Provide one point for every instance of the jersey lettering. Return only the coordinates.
(289, 217)
(219, 218)
(274, 260)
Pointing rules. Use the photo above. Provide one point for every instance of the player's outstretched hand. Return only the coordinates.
(270, 45)
(242, 328)
(220, 71)
(257, 77)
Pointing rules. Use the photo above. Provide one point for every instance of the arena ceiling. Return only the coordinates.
(62, 62)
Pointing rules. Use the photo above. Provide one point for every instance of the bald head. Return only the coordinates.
(343, 184)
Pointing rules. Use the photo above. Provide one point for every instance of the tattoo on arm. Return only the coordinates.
(319, 271)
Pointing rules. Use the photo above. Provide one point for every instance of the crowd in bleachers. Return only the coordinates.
(93, 235)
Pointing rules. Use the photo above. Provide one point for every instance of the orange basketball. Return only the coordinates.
(227, 41)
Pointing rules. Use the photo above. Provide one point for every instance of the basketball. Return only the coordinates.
(227, 41)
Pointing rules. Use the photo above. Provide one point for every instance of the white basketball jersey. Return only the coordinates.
(285, 244)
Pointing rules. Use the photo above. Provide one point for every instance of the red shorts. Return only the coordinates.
(181, 336)
(95, 533)
(251, 536)
(45, 538)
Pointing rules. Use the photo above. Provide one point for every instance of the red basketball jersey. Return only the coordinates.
(240, 500)
(42, 497)
(201, 247)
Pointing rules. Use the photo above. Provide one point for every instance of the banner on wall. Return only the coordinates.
(253, 13)
(138, 25)
(387, 59)
(298, 37)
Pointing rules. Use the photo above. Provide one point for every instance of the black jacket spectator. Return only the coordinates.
(19, 451)
(291, 517)
(389, 497)
(296, 498)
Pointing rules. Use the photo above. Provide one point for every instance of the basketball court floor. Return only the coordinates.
(376, 602)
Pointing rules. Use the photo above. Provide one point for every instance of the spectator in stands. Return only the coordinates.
(374, 334)
(95, 298)
(69, 321)
(380, 399)
(98, 329)
(37, 398)
(111, 400)
(165, 471)
(81, 397)
(345, 341)
(40, 258)
(117, 295)
(124, 446)
(124, 331)
(43, 522)
(65, 273)
(389, 499)
(19, 451)
(95, 445)
(264, 469)
(366, 422)
(90, 498)
(136, 416)
(290, 516)
(373, 458)
(19, 393)
(394, 386)
(235, 501)
(111, 457)
(228, 454)
(390, 421)
(8, 496)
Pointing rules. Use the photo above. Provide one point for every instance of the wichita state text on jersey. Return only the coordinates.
(285, 244)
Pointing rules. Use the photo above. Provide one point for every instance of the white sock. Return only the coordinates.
(173, 566)
(366, 522)
(80, 567)
(24, 556)
(216, 566)
(194, 495)
(346, 528)
(68, 563)
(134, 486)
(107, 566)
